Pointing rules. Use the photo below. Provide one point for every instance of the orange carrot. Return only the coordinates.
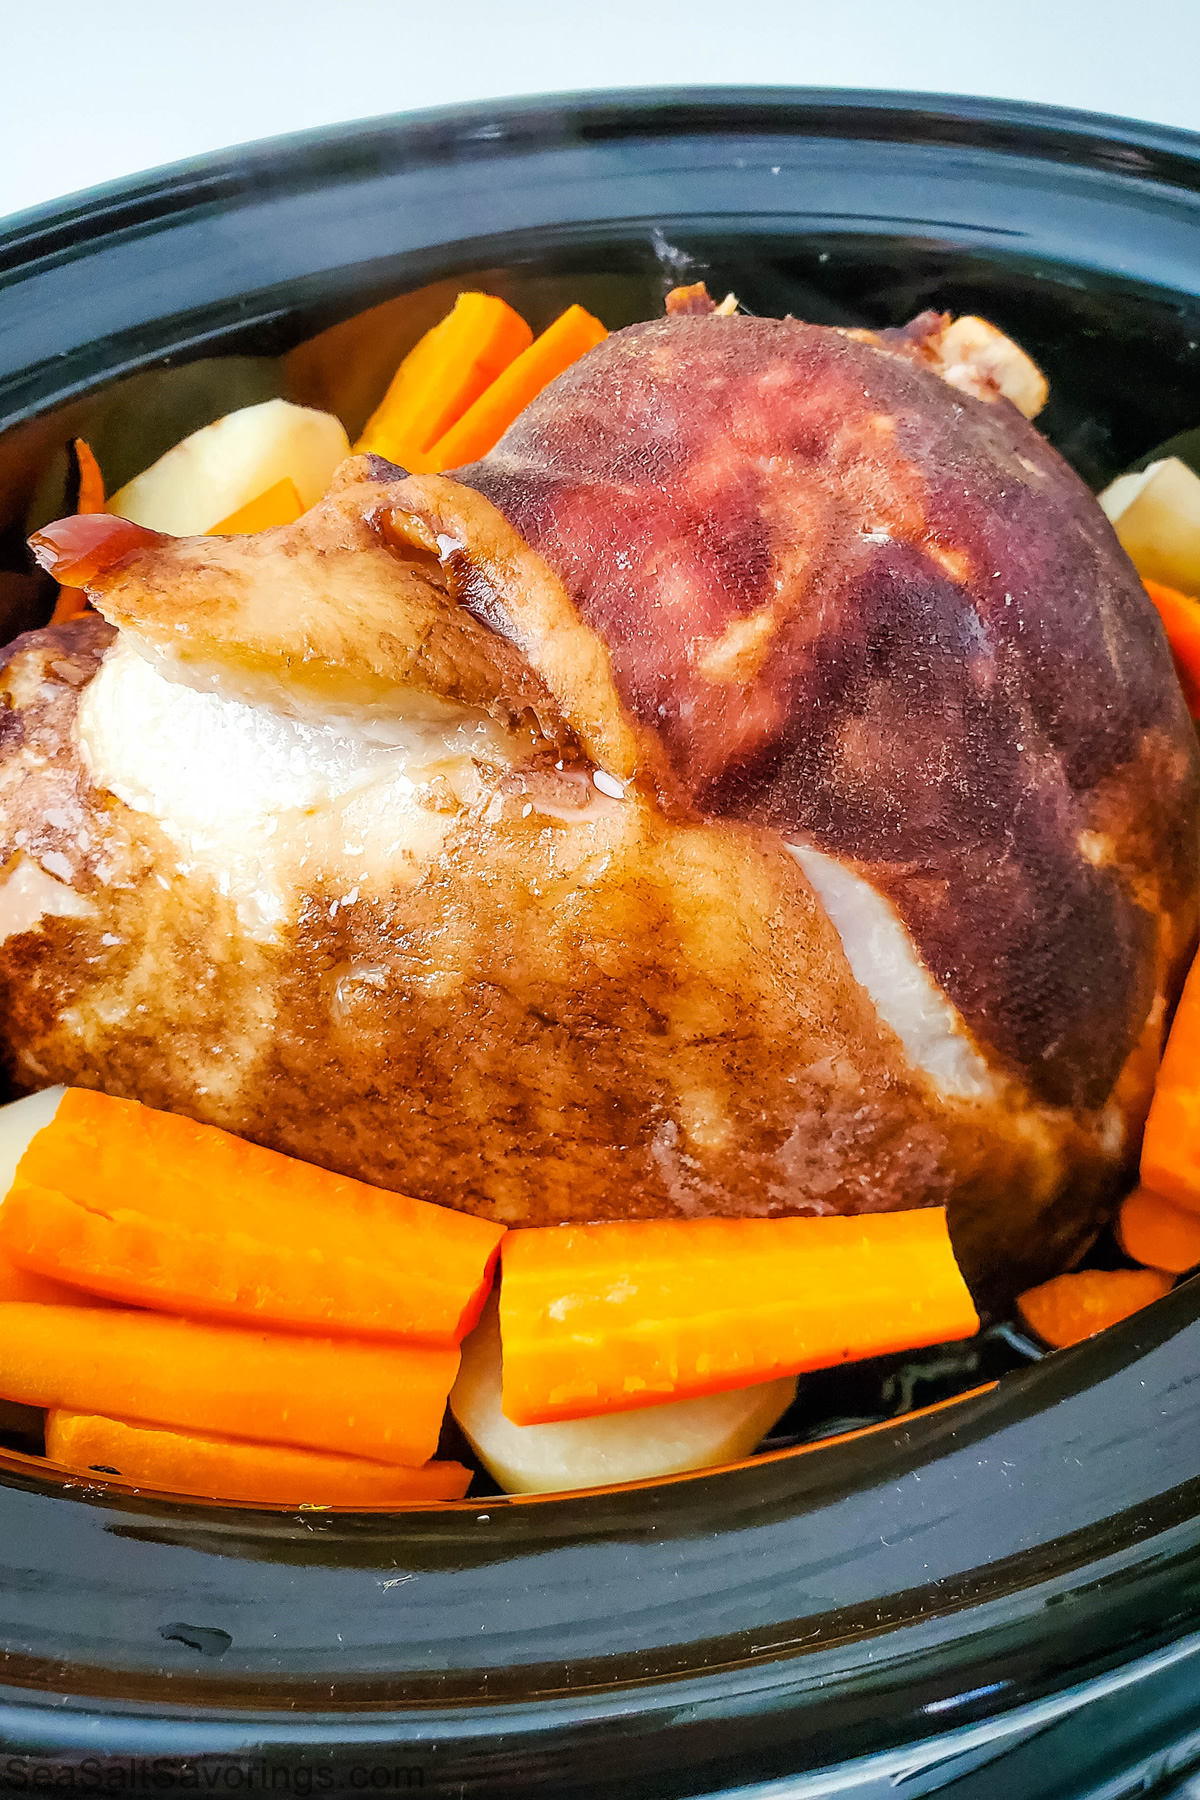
(1180, 614)
(605, 1318)
(153, 1209)
(221, 1468)
(1156, 1232)
(22, 1284)
(1171, 1145)
(279, 504)
(396, 404)
(436, 383)
(383, 1401)
(1073, 1307)
(70, 604)
(482, 425)
(72, 601)
(91, 481)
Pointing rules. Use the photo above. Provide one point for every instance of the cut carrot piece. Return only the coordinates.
(88, 480)
(383, 1401)
(1171, 1145)
(1073, 1307)
(221, 1468)
(279, 504)
(91, 481)
(482, 425)
(153, 1209)
(70, 604)
(436, 383)
(1180, 614)
(1154, 1231)
(605, 1318)
(22, 1284)
(393, 417)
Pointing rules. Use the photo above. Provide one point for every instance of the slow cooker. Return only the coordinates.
(995, 1593)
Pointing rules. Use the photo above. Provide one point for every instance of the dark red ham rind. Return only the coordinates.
(884, 618)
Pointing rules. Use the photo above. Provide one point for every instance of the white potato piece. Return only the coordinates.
(20, 1121)
(1156, 515)
(223, 466)
(1123, 491)
(631, 1446)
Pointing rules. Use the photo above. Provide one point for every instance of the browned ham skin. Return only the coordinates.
(885, 618)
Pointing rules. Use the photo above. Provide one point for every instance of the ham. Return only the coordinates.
(886, 620)
(760, 785)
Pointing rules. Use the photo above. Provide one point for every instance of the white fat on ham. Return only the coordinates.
(270, 805)
(884, 960)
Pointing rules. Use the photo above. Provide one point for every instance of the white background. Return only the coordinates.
(96, 89)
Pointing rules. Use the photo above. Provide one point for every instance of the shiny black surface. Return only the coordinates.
(913, 194)
(792, 1613)
(739, 1624)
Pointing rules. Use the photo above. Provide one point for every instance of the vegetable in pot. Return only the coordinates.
(155, 1210)
(383, 1401)
(220, 1468)
(229, 463)
(482, 425)
(280, 504)
(1073, 1307)
(596, 1452)
(1171, 1145)
(438, 380)
(606, 1318)
(1159, 1234)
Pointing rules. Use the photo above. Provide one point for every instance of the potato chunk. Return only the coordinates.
(225, 465)
(20, 1121)
(629, 1446)
(1156, 515)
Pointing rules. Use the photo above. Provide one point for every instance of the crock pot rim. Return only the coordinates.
(1149, 161)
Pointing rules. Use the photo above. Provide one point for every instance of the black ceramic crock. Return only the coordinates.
(1000, 1597)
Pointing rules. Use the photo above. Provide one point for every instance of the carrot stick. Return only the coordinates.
(384, 1401)
(1171, 1145)
(482, 425)
(89, 483)
(70, 604)
(1156, 1232)
(279, 504)
(438, 380)
(605, 1318)
(21, 1284)
(1180, 614)
(396, 403)
(153, 1209)
(1073, 1307)
(219, 1468)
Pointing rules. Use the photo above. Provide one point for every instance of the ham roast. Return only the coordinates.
(759, 786)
